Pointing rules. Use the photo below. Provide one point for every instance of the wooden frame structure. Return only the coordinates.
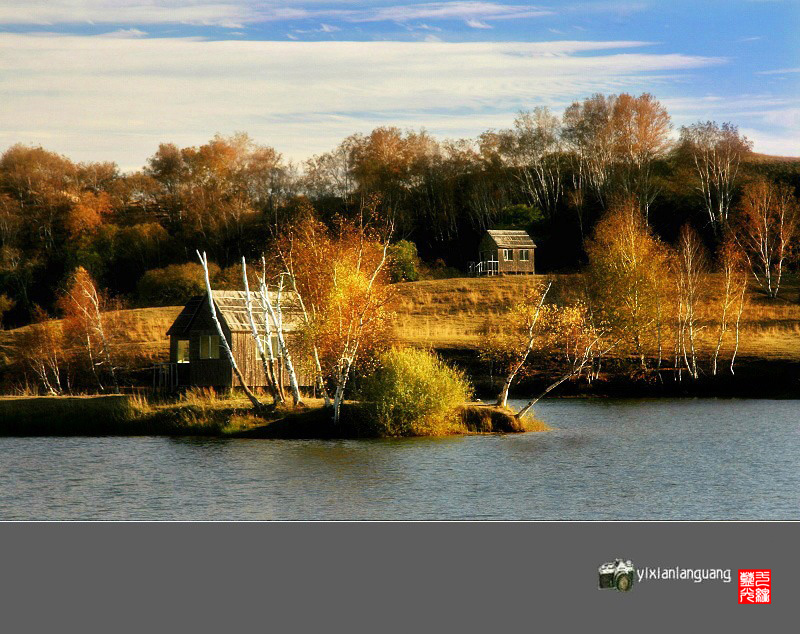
(205, 365)
(505, 252)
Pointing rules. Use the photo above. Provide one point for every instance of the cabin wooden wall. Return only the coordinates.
(487, 249)
(208, 372)
(247, 358)
(516, 265)
(249, 361)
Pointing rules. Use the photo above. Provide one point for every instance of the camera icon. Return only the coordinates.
(617, 574)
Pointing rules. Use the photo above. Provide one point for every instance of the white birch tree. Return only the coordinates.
(84, 305)
(517, 335)
(276, 318)
(261, 341)
(716, 152)
(691, 265)
(769, 217)
(223, 340)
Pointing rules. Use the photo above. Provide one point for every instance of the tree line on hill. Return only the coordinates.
(136, 234)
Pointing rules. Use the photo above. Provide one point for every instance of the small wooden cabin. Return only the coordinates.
(505, 252)
(197, 357)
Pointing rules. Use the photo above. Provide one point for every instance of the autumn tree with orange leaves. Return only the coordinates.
(88, 323)
(341, 280)
(627, 266)
(41, 351)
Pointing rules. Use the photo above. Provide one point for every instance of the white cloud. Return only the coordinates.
(619, 8)
(450, 11)
(786, 117)
(425, 27)
(779, 71)
(323, 28)
(115, 99)
(125, 33)
(781, 144)
(477, 24)
(234, 13)
(205, 12)
(771, 122)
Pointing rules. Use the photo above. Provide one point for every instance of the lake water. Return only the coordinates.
(606, 459)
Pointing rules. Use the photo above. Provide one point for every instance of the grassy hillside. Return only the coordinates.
(449, 314)
(142, 335)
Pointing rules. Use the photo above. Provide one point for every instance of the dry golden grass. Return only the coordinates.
(450, 313)
(141, 335)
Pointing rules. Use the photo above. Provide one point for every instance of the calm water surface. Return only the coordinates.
(606, 459)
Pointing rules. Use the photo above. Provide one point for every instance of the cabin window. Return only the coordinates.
(183, 351)
(209, 346)
(524, 255)
(276, 351)
(508, 255)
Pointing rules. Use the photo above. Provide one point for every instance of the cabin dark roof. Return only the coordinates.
(511, 238)
(232, 310)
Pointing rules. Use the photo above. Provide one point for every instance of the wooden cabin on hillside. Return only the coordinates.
(197, 358)
(505, 252)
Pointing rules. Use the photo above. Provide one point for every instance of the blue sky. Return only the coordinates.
(110, 79)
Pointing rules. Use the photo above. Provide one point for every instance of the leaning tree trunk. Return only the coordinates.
(276, 315)
(502, 398)
(549, 389)
(268, 373)
(223, 340)
(273, 362)
(587, 356)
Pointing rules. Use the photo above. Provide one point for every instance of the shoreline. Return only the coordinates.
(754, 378)
(123, 415)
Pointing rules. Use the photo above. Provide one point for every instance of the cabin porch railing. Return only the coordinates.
(486, 267)
(165, 377)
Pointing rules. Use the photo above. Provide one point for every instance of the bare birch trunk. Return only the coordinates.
(588, 355)
(338, 397)
(107, 353)
(549, 389)
(276, 315)
(271, 381)
(738, 324)
(253, 399)
(502, 399)
(273, 363)
(40, 368)
(723, 322)
(92, 363)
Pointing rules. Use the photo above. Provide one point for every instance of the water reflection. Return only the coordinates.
(605, 459)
